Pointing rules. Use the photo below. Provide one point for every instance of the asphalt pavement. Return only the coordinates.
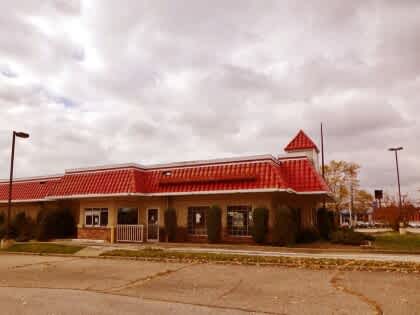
(31, 284)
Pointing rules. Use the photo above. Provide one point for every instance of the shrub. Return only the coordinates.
(2, 226)
(2, 231)
(308, 235)
(22, 227)
(57, 223)
(181, 234)
(285, 226)
(326, 223)
(349, 237)
(214, 224)
(260, 218)
(170, 224)
(162, 234)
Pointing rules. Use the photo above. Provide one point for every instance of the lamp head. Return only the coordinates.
(23, 135)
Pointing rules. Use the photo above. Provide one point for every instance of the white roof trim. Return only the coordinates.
(33, 179)
(213, 192)
(25, 200)
(175, 164)
(312, 192)
(185, 193)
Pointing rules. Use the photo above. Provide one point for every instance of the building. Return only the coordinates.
(127, 202)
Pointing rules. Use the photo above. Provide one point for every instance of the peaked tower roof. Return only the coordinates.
(301, 142)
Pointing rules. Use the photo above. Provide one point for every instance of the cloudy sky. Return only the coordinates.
(98, 82)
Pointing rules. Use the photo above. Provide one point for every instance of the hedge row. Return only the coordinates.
(285, 230)
(49, 224)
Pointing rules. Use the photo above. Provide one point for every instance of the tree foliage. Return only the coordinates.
(362, 201)
(343, 179)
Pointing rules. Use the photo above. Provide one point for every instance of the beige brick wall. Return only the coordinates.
(182, 203)
(112, 204)
(307, 204)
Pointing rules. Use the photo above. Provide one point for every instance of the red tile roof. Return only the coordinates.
(119, 181)
(243, 174)
(302, 176)
(301, 142)
(240, 176)
(25, 190)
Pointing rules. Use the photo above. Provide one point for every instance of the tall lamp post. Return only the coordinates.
(9, 204)
(395, 150)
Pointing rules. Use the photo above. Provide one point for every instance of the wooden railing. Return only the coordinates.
(129, 233)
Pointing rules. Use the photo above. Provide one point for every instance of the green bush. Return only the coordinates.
(326, 223)
(2, 226)
(170, 224)
(181, 234)
(308, 235)
(260, 218)
(57, 223)
(2, 231)
(214, 224)
(349, 237)
(22, 228)
(285, 226)
(2, 218)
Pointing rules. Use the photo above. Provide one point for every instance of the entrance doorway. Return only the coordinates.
(152, 225)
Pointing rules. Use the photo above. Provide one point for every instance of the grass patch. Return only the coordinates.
(151, 254)
(44, 248)
(396, 241)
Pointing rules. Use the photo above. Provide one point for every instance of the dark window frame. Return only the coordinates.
(194, 228)
(123, 219)
(234, 227)
(98, 217)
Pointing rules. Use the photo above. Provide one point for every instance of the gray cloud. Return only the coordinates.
(155, 81)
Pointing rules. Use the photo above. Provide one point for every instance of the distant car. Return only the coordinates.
(362, 224)
(379, 224)
(414, 224)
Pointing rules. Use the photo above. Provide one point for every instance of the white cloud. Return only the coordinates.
(97, 82)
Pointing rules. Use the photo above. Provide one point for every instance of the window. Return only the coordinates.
(197, 220)
(239, 220)
(95, 217)
(128, 216)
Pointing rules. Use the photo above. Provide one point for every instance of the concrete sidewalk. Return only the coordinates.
(96, 249)
(344, 256)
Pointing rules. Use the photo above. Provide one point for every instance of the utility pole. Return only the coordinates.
(351, 205)
(323, 160)
(395, 150)
(322, 152)
(12, 159)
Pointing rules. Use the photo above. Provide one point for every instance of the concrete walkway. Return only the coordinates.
(345, 256)
(98, 249)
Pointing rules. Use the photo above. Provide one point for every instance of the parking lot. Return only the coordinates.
(73, 285)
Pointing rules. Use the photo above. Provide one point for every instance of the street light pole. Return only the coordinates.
(395, 150)
(12, 159)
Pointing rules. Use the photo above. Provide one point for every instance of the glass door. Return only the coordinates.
(152, 225)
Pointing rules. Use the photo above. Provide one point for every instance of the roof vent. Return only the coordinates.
(167, 173)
